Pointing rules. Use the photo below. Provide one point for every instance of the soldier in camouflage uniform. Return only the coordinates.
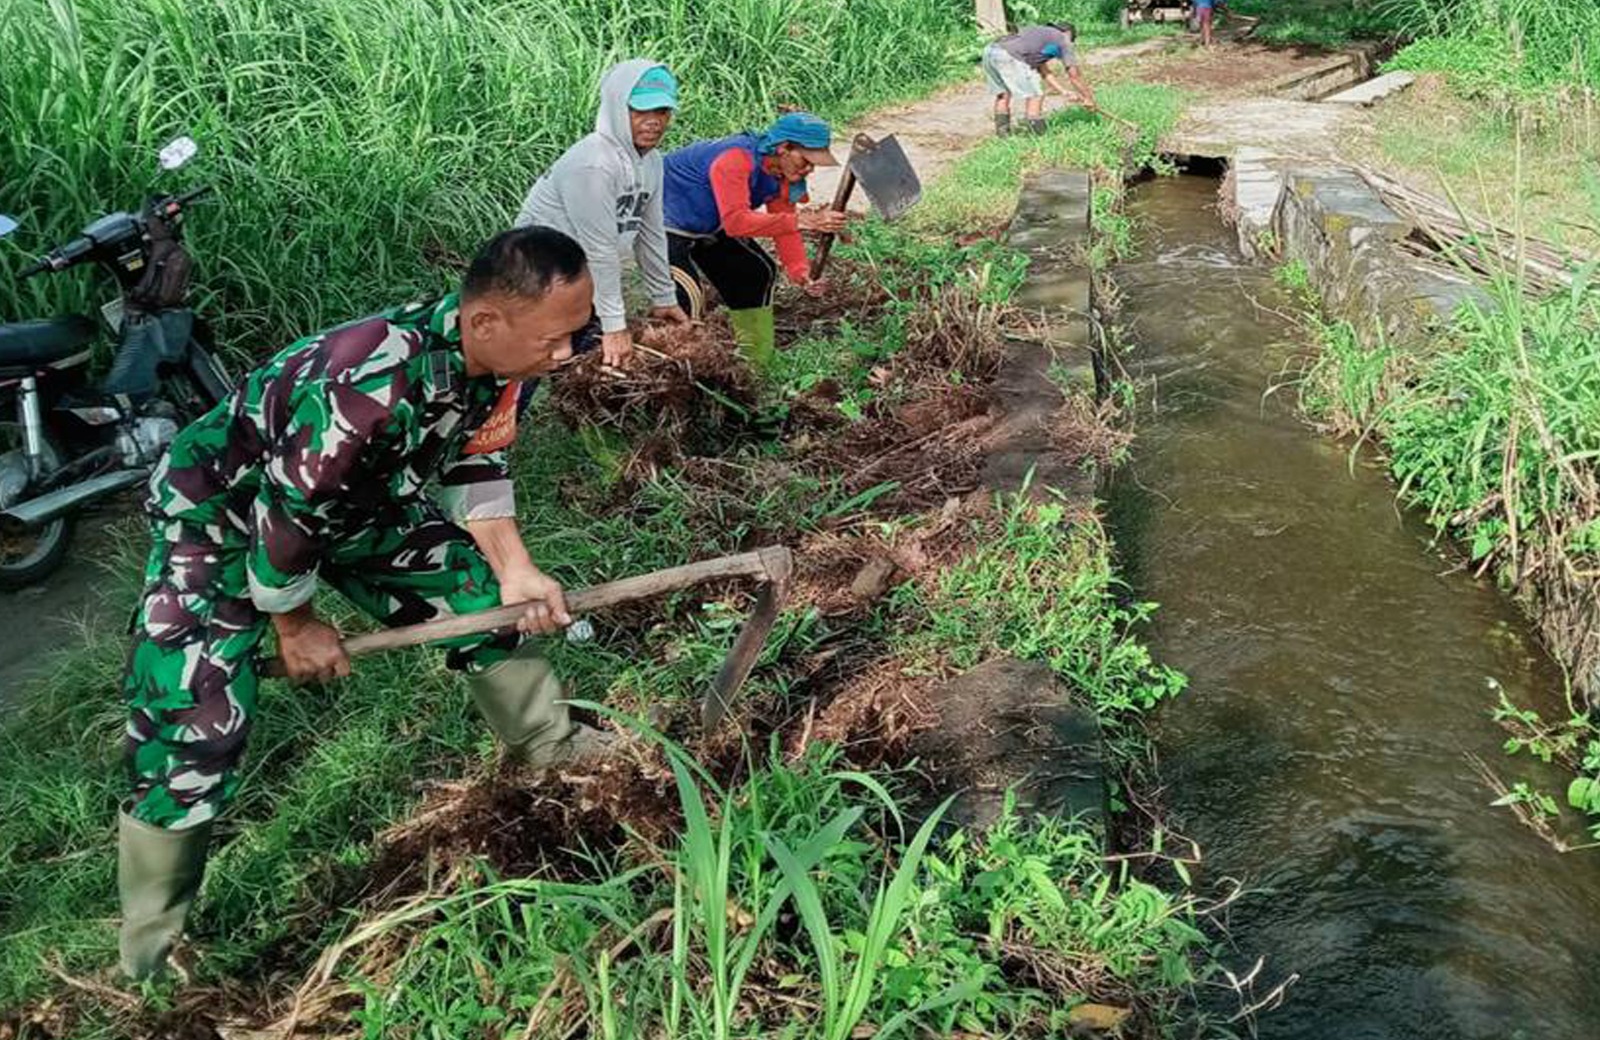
(314, 469)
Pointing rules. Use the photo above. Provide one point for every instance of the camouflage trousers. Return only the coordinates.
(191, 681)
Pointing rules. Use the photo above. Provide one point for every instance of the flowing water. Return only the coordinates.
(1341, 671)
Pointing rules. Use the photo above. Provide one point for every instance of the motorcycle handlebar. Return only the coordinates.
(62, 257)
(58, 259)
(177, 203)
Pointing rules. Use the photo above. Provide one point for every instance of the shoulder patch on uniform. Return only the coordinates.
(500, 428)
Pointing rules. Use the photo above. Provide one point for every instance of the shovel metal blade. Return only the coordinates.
(885, 174)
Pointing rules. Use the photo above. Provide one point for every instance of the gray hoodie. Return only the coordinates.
(606, 195)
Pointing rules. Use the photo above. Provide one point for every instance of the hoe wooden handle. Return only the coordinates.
(771, 564)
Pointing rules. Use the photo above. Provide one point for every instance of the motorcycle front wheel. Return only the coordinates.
(28, 554)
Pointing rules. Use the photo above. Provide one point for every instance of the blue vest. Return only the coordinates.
(687, 198)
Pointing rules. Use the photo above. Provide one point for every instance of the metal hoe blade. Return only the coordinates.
(752, 637)
(885, 175)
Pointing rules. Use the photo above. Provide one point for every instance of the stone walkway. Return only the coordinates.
(1291, 129)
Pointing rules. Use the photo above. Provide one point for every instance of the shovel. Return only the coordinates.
(885, 174)
(772, 566)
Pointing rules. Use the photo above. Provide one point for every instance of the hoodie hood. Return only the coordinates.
(612, 121)
(606, 195)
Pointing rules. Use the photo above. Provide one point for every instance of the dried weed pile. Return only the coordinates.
(854, 294)
(922, 443)
(1083, 431)
(680, 377)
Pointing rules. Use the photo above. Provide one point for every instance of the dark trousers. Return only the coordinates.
(739, 269)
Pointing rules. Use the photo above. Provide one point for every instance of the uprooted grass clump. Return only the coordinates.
(684, 386)
(884, 397)
(920, 422)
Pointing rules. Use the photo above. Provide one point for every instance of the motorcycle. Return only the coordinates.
(67, 442)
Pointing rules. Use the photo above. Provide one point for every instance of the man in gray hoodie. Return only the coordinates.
(605, 191)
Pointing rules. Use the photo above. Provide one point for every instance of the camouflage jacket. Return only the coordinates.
(330, 437)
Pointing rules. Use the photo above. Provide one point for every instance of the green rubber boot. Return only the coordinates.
(1002, 124)
(518, 699)
(753, 331)
(158, 876)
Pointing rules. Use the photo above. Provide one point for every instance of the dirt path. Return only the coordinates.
(943, 127)
(1231, 105)
(39, 620)
(1291, 129)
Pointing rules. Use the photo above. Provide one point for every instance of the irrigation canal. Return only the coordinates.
(1341, 675)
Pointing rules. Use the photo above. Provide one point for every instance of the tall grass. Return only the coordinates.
(1499, 46)
(1495, 430)
(1510, 419)
(358, 144)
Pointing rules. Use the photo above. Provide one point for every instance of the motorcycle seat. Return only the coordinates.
(44, 340)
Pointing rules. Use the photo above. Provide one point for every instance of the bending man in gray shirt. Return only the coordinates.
(1015, 64)
(605, 191)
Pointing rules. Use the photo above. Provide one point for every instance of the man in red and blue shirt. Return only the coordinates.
(715, 194)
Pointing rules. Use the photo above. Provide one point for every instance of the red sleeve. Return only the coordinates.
(791, 247)
(730, 184)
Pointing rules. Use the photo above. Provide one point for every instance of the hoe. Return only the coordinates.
(770, 566)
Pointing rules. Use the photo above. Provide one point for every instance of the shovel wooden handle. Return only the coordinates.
(841, 199)
(771, 564)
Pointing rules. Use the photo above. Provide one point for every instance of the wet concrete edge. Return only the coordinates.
(1009, 724)
(1331, 220)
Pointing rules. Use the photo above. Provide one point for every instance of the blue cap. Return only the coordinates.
(806, 130)
(657, 88)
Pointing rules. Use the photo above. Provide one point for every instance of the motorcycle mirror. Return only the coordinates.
(177, 152)
(7, 225)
